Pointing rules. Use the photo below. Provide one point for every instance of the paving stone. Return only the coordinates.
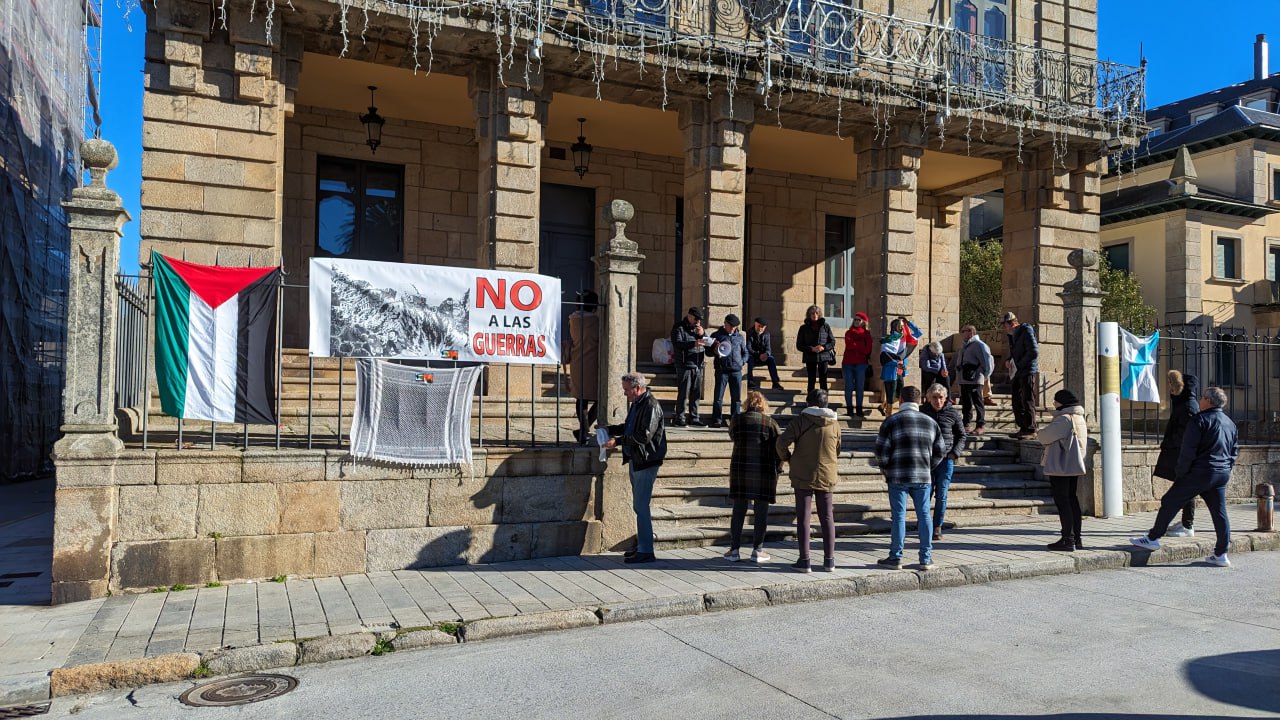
(422, 638)
(24, 689)
(530, 623)
(124, 674)
(652, 608)
(816, 590)
(737, 598)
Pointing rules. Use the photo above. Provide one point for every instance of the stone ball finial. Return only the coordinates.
(620, 211)
(99, 156)
(1082, 258)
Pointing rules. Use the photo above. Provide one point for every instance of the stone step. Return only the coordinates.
(782, 529)
(849, 491)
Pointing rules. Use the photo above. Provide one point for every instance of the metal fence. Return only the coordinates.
(1244, 364)
(514, 405)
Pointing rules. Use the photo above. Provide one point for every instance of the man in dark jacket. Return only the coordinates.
(940, 410)
(731, 354)
(1024, 354)
(760, 352)
(643, 439)
(1204, 467)
(908, 447)
(689, 346)
(1184, 403)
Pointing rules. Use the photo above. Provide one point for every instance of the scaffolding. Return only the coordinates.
(49, 61)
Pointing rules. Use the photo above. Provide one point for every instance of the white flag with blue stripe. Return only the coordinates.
(1138, 357)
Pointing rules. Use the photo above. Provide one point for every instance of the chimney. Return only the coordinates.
(1260, 70)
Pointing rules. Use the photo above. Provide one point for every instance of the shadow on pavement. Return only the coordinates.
(26, 542)
(1246, 679)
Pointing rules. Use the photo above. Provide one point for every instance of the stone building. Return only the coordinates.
(777, 155)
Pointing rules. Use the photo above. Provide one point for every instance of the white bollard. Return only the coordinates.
(1109, 417)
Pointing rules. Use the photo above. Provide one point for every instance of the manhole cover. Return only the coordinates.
(238, 690)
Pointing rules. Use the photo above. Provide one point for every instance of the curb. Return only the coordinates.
(94, 677)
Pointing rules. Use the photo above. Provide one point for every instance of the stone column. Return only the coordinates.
(885, 223)
(1082, 309)
(84, 517)
(509, 122)
(1051, 208)
(937, 305)
(1183, 275)
(618, 265)
(716, 133)
(213, 133)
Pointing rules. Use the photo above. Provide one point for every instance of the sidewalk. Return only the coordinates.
(531, 595)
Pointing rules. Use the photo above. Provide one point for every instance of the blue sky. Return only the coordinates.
(1191, 47)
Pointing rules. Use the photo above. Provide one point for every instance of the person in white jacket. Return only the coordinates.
(1064, 440)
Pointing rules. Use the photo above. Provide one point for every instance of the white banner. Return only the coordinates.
(362, 308)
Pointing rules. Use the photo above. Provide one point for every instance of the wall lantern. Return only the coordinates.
(581, 151)
(373, 123)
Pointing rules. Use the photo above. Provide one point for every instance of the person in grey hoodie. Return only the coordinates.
(730, 352)
(1064, 440)
(811, 443)
(972, 367)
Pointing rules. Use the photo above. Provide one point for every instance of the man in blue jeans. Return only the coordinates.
(939, 409)
(1208, 453)
(643, 439)
(730, 351)
(908, 447)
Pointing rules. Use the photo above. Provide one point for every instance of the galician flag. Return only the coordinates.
(215, 340)
(1138, 366)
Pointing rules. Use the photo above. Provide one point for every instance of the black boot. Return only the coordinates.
(1065, 545)
(1079, 543)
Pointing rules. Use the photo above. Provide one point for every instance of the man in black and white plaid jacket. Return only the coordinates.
(908, 447)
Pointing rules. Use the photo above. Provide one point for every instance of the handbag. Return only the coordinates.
(969, 372)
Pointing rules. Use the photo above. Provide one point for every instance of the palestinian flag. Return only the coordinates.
(215, 340)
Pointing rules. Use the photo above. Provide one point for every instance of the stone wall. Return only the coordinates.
(153, 518)
(1142, 492)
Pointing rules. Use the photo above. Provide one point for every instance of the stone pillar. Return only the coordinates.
(84, 517)
(937, 307)
(1082, 309)
(1050, 208)
(213, 133)
(1183, 274)
(716, 133)
(509, 122)
(885, 226)
(618, 265)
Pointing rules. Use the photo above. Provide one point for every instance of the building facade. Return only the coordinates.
(777, 155)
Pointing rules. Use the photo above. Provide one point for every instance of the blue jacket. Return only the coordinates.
(737, 356)
(1024, 349)
(1208, 446)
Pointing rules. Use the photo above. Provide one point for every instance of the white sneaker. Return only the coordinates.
(732, 555)
(1178, 530)
(759, 556)
(1145, 542)
(1218, 560)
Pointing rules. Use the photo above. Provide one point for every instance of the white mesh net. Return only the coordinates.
(413, 416)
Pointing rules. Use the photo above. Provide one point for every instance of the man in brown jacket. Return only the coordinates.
(815, 433)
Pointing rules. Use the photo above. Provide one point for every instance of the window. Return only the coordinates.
(1226, 263)
(1155, 131)
(1199, 116)
(1257, 102)
(837, 270)
(982, 46)
(1230, 357)
(1275, 184)
(1273, 262)
(359, 209)
(1118, 256)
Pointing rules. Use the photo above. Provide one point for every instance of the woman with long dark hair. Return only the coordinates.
(816, 341)
(753, 473)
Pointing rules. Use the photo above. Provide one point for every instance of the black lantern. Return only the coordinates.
(581, 151)
(373, 123)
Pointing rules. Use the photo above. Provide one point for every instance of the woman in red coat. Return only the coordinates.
(857, 356)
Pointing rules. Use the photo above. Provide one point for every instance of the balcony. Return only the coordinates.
(1266, 295)
(830, 43)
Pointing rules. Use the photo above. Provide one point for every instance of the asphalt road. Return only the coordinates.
(1185, 641)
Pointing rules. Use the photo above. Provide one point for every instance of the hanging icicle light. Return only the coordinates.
(581, 151)
(373, 123)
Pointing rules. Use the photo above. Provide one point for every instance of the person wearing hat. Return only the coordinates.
(689, 344)
(760, 352)
(730, 352)
(1024, 356)
(1064, 440)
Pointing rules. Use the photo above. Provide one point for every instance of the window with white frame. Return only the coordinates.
(1199, 116)
(1158, 127)
(1261, 101)
(1226, 257)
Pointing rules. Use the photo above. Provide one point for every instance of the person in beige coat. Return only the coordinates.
(1064, 440)
(811, 443)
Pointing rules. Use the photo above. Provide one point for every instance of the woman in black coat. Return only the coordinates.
(753, 473)
(818, 344)
(1184, 393)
